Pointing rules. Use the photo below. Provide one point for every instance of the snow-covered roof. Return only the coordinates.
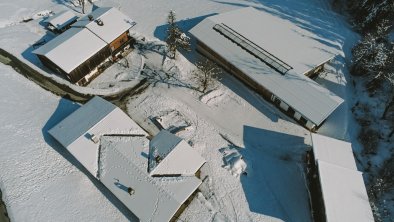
(176, 156)
(291, 45)
(111, 147)
(71, 48)
(62, 19)
(333, 151)
(344, 194)
(343, 189)
(114, 23)
(94, 119)
(155, 199)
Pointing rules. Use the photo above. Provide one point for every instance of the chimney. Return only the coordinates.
(90, 17)
(99, 22)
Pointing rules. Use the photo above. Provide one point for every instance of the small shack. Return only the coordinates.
(93, 40)
(60, 22)
(337, 188)
(115, 150)
(272, 56)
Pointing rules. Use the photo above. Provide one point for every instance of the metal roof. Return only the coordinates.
(71, 48)
(62, 19)
(114, 23)
(287, 42)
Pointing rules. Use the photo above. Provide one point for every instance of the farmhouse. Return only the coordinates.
(61, 21)
(94, 39)
(274, 57)
(337, 188)
(114, 149)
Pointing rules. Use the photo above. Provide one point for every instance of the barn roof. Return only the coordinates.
(343, 189)
(114, 23)
(61, 19)
(71, 48)
(288, 47)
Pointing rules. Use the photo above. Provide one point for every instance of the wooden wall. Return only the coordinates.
(86, 67)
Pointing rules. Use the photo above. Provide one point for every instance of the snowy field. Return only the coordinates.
(41, 182)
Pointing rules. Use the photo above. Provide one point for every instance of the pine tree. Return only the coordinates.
(175, 37)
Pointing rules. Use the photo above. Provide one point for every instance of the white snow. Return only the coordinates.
(115, 23)
(181, 160)
(122, 165)
(62, 19)
(80, 132)
(333, 151)
(344, 193)
(37, 178)
(71, 48)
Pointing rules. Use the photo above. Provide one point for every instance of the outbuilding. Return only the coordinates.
(274, 57)
(338, 192)
(61, 21)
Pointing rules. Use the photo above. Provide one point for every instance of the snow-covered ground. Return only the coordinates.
(41, 182)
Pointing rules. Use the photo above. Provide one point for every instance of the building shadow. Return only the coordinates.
(65, 108)
(185, 25)
(274, 184)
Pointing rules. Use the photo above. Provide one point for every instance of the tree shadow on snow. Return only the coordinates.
(185, 25)
(65, 108)
(274, 184)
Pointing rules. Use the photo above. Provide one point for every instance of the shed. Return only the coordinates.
(338, 190)
(274, 57)
(94, 39)
(61, 21)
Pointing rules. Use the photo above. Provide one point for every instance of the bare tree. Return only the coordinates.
(205, 74)
(175, 37)
(82, 4)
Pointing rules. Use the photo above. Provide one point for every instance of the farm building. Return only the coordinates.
(95, 38)
(274, 57)
(114, 149)
(61, 21)
(337, 188)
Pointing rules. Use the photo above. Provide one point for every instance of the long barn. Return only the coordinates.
(274, 57)
(95, 38)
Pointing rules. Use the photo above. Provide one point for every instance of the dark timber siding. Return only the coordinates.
(89, 65)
